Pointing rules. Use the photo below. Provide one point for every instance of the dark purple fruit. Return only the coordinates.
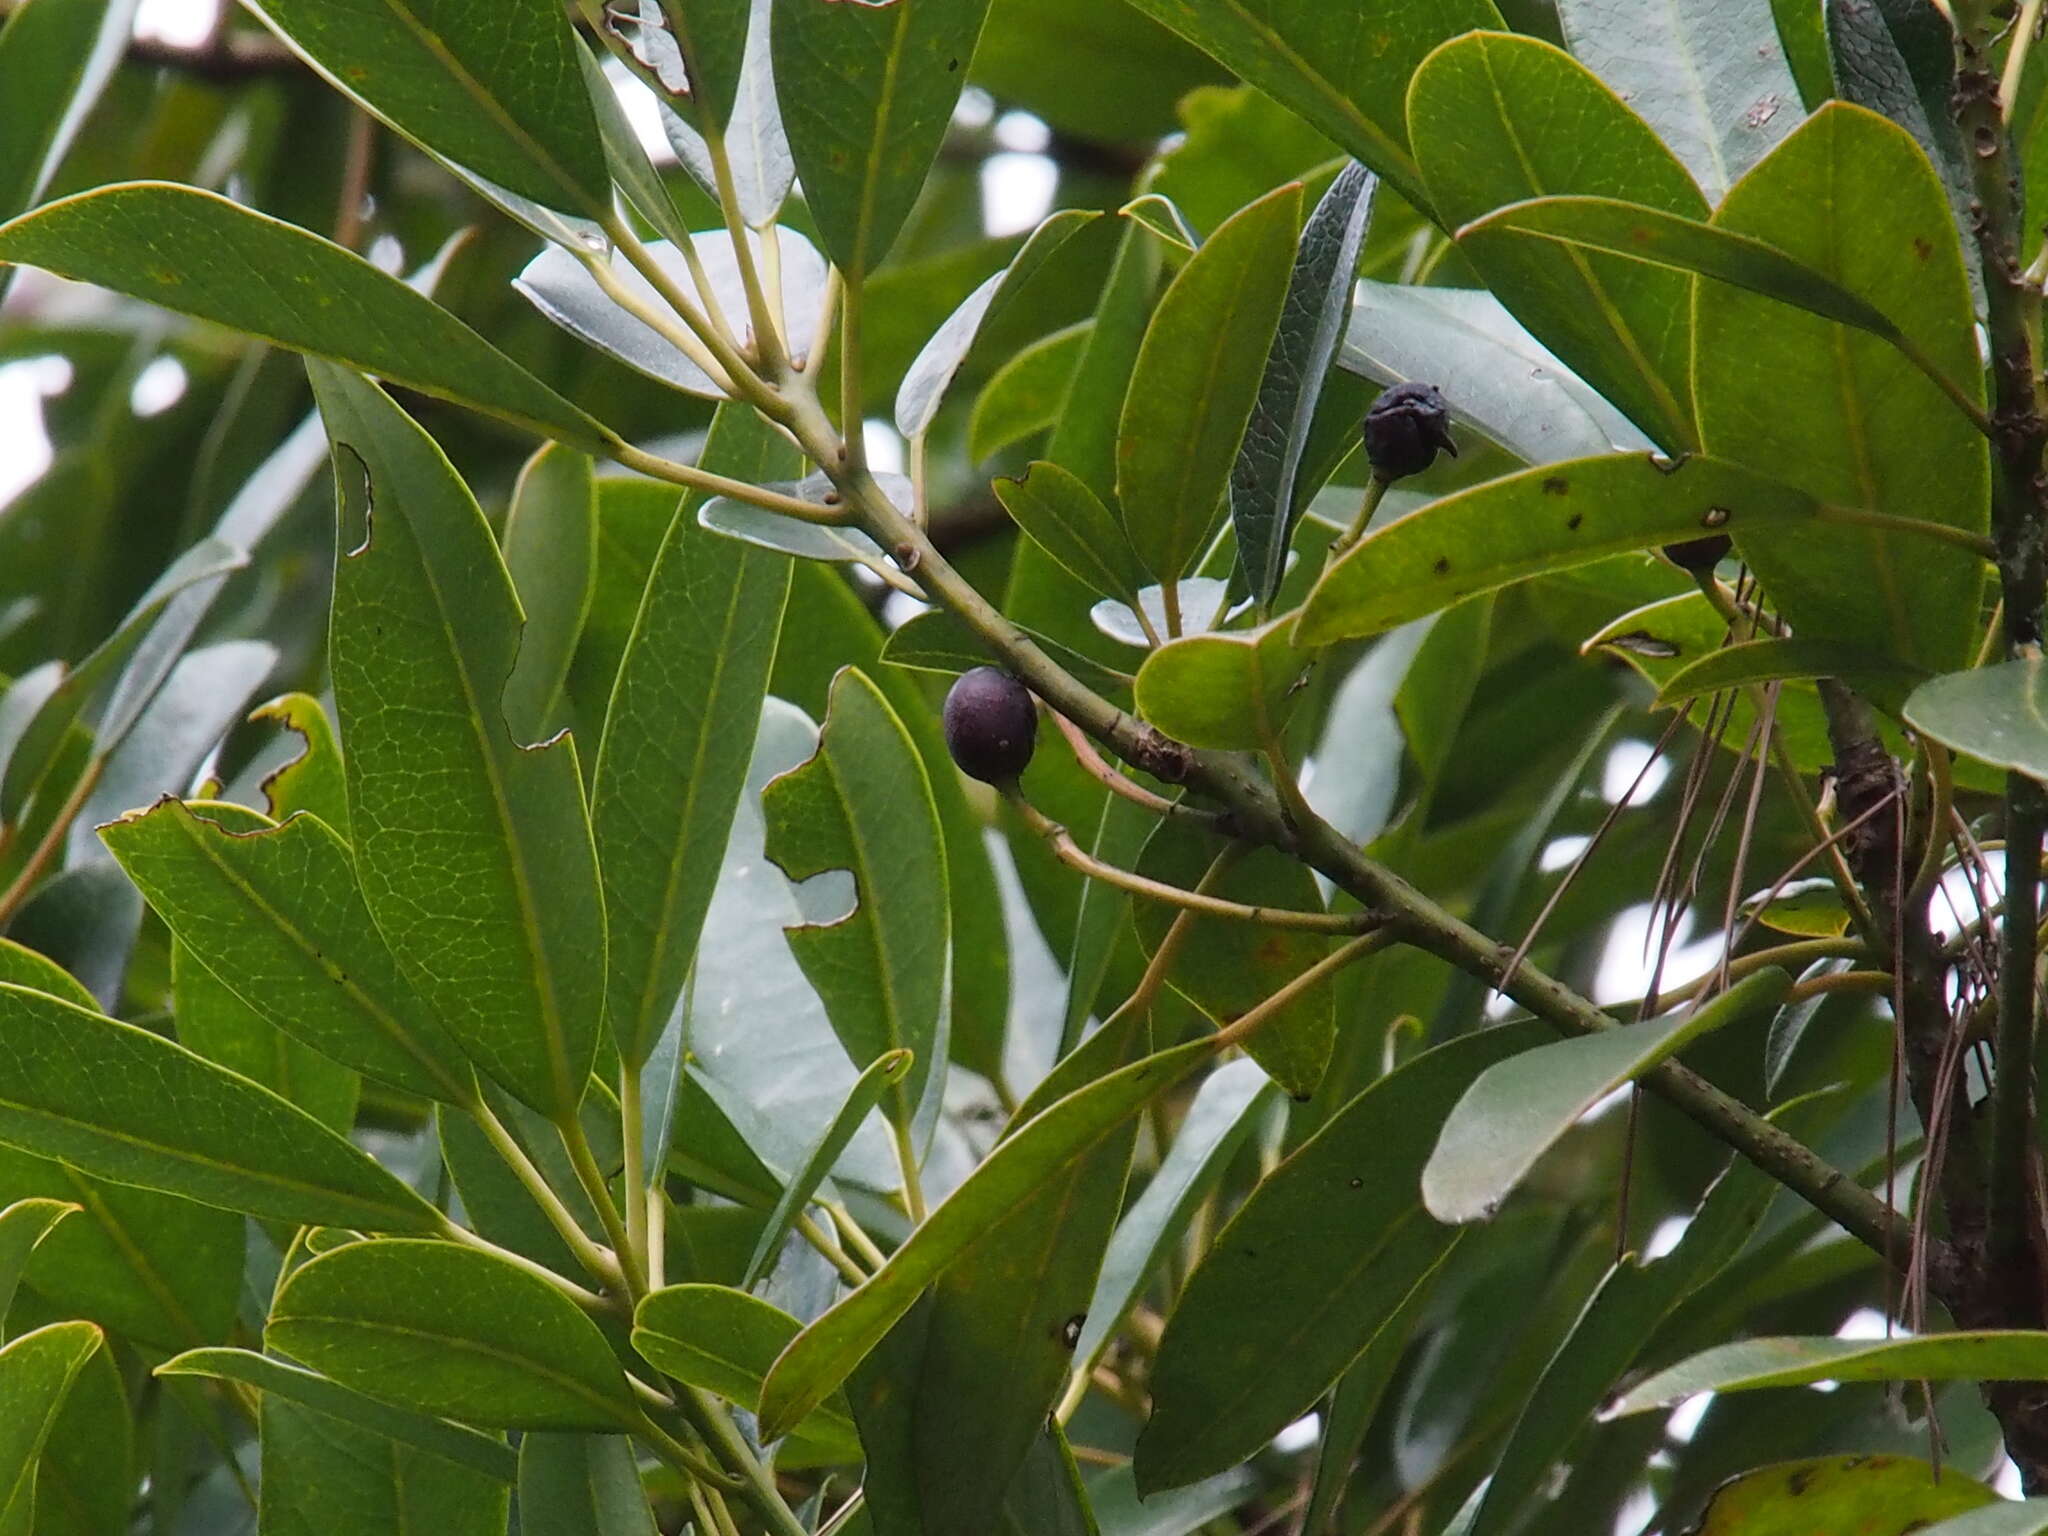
(991, 725)
(1699, 555)
(1405, 429)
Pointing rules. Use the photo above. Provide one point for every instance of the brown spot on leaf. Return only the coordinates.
(1574, 520)
(1442, 566)
(1556, 485)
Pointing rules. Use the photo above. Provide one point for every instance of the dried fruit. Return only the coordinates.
(1701, 554)
(991, 725)
(1405, 428)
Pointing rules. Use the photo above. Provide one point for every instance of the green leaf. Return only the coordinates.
(724, 1341)
(314, 780)
(678, 735)
(864, 804)
(942, 642)
(1988, 1355)
(1710, 76)
(1229, 691)
(493, 86)
(557, 283)
(711, 47)
(1519, 1109)
(1226, 1109)
(25, 967)
(1772, 661)
(924, 384)
(1809, 908)
(738, 88)
(149, 1267)
(1292, 1291)
(1023, 396)
(122, 1104)
(1264, 495)
(878, 88)
(274, 913)
(453, 1332)
(24, 1224)
(86, 1480)
(1056, 510)
(56, 56)
(452, 1443)
(581, 1485)
(1550, 518)
(217, 1024)
(1499, 380)
(1997, 714)
(1194, 385)
(42, 738)
(202, 255)
(1625, 329)
(36, 1372)
(881, 1074)
(2027, 1517)
(1613, 227)
(1157, 215)
(1884, 440)
(1871, 1495)
(550, 544)
(318, 1468)
(838, 545)
(1227, 967)
(510, 950)
(1063, 1136)
(1345, 70)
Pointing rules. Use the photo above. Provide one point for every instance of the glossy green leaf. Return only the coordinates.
(1991, 1355)
(1227, 967)
(1264, 499)
(739, 90)
(1710, 76)
(1194, 384)
(678, 735)
(1473, 110)
(1550, 518)
(1291, 1291)
(24, 1224)
(1772, 661)
(1023, 396)
(1228, 690)
(86, 1480)
(581, 1485)
(1224, 1113)
(878, 88)
(1720, 251)
(510, 951)
(724, 1341)
(313, 780)
(876, 1079)
(274, 913)
(202, 255)
(1344, 70)
(319, 1471)
(42, 738)
(1157, 214)
(1056, 510)
(485, 1454)
(1871, 1495)
(550, 545)
(122, 1104)
(1064, 1135)
(149, 1267)
(1997, 714)
(24, 967)
(924, 384)
(1809, 908)
(1499, 380)
(213, 1021)
(451, 1331)
(493, 86)
(56, 56)
(864, 804)
(1887, 440)
(1518, 1110)
(36, 1371)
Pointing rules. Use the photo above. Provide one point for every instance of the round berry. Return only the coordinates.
(991, 725)
(1405, 429)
